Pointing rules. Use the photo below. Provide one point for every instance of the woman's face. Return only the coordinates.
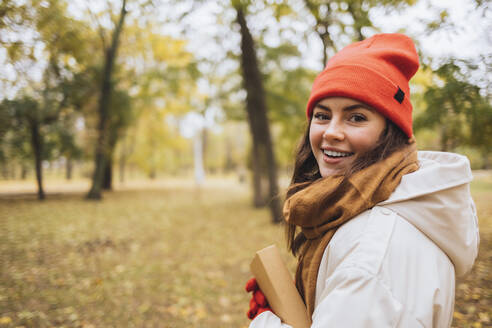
(341, 129)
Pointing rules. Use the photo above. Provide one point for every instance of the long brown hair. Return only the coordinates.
(306, 169)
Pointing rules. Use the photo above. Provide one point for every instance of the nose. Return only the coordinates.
(334, 131)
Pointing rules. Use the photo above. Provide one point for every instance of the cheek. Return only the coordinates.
(365, 140)
(315, 136)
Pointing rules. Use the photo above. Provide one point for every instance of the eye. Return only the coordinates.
(321, 116)
(357, 118)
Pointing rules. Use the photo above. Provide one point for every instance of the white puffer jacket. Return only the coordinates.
(394, 265)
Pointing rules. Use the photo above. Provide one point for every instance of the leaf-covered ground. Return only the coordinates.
(160, 255)
(473, 306)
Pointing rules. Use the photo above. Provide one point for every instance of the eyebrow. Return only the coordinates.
(347, 108)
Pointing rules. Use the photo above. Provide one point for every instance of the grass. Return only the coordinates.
(159, 255)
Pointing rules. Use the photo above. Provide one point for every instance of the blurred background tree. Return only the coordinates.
(44, 102)
(129, 85)
(457, 110)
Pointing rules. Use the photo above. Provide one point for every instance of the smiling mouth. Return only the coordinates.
(336, 154)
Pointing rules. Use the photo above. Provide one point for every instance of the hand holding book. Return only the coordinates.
(277, 285)
(258, 303)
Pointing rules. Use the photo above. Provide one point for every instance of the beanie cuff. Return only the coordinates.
(368, 86)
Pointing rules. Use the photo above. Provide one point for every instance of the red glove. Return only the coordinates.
(258, 302)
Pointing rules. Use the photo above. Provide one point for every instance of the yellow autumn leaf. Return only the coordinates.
(200, 313)
(484, 317)
(5, 320)
(185, 312)
(458, 315)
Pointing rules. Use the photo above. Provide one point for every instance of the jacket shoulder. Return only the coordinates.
(377, 236)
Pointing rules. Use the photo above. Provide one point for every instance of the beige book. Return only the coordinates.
(279, 288)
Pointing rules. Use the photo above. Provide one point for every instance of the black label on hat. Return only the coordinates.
(399, 95)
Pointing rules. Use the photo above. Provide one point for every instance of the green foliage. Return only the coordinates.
(22, 114)
(157, 145)
(287, 94)
(225, 151)
(350, 17)
(12, 15)
(156, 77)
(14, 124)
(60, 43)
(63, 36)
(151, 69)
(161, 83)
(287, 90)
(440, 22)
(459, 110)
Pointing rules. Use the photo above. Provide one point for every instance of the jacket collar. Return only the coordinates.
(438, 171)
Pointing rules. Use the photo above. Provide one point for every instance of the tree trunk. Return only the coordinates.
(322, 25)
(259, 192)
(325, 49)
(127, 149)
(108, 174)
(122, 166)
(68, 168)
(198, 144)
(205, 141)
(101, 152)
(355, 9)
(263, 158)
(37, 147)
(23, 174)
(5, 171)
(107, 183)
(229, 164)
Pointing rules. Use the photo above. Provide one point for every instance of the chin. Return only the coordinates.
(330, 172)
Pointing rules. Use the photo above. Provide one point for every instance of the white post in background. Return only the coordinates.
(198, 158)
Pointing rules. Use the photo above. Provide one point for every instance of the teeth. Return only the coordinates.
(336, 153)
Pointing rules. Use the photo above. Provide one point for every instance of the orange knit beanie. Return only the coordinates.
(376, 72)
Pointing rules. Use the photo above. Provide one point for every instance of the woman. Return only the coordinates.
(380, 229)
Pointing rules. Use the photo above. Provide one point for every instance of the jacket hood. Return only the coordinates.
(436, 200)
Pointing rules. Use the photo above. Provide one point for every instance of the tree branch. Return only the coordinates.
(100, 28)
